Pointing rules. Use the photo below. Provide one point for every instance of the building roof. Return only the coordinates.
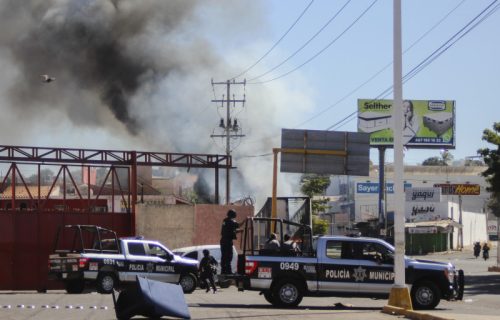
(22, 192)
(107, 189)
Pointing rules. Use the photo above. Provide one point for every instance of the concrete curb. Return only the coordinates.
(411, 314)
(494, 269)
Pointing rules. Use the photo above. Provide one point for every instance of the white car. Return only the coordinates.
(196, 253)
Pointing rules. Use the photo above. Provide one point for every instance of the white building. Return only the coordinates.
(361, 195)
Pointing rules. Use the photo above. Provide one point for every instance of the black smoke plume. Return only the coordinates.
(99, 47)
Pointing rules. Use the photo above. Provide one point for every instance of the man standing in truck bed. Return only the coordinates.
(228, 234)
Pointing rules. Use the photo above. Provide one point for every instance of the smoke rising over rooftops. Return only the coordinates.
(136, 74)
(89, 46)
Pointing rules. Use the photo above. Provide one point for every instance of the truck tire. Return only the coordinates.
(287, 293)
(425, 295)
(188, 282)
(106, 282)
(268, 295)
(225, 284)
(75, 286)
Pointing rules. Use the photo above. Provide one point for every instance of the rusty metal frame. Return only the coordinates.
(113, 158)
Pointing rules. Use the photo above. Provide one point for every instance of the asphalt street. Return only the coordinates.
(481, 300)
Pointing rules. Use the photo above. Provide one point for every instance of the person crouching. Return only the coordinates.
(208, 267)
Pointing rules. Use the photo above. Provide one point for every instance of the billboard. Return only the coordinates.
(425, 211)
(325, 152)
(423, 194)
(459, 189)
(427, 123)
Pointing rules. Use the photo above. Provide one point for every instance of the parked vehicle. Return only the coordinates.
(91, 256)
(335, 266)
(196, 252)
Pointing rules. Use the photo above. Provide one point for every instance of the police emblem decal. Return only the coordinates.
(359, 274)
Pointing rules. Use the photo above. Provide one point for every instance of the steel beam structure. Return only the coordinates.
(112, 157)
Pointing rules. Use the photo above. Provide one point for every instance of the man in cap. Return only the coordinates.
(228, 234)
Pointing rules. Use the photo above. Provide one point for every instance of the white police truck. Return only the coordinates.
(335, 266)
(92, 256)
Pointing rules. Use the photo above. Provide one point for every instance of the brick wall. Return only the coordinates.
(208, 219)
(179, 226)
(172, 225)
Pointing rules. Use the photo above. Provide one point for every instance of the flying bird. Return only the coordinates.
(46, 78)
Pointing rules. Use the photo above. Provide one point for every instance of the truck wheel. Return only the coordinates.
(106, 281)
(188, 282)
(224, 284)
(425, 295)
(268, 295)
(75, 286)
(287, 293)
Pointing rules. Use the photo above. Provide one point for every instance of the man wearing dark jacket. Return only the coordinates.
(228, 234)
(208, 267)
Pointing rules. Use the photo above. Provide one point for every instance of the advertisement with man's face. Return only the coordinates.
(426, 123)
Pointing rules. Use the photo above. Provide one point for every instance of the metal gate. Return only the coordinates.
(32, 208)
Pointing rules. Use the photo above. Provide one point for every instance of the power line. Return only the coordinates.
(230, 128)
(407, 77)
(383, 68)
(346, 119)
(434, 55)
(322, 50)
(275, 44)
(304, 45)
(258, 155)
(443, 48)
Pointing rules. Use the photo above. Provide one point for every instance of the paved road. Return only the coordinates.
(481, 301)
(482, 288)
(226, 304)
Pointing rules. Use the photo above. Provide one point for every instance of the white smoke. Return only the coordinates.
(136, 75)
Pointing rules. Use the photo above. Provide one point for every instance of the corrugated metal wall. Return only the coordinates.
(27, 239)
(422, 243)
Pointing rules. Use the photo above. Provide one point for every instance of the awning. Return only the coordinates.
(437, 223)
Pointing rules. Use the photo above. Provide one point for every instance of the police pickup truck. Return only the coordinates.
(94, 256)
(335, 266)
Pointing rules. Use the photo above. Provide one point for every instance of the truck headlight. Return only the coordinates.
(450, 274)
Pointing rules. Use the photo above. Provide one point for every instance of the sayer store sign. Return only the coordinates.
(372, 187)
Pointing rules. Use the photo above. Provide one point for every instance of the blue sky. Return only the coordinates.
(467, 72)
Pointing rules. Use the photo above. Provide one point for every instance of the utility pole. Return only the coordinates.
(231, 128)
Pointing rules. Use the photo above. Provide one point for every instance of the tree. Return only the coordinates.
(46, 177)
(320, 226)
(473, 163)
(315, 185)
(445, 159)
(434, 161)
(491, 158)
